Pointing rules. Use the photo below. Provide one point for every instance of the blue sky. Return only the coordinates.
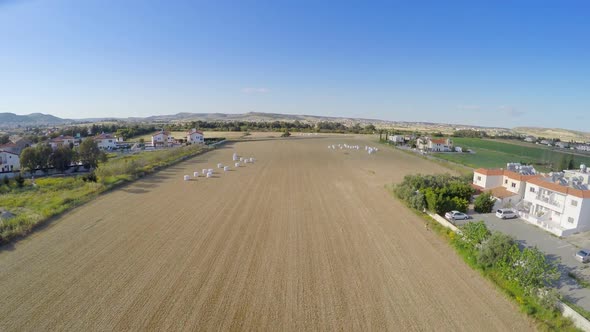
(491, 63)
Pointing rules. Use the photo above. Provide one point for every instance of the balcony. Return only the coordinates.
(548, 199)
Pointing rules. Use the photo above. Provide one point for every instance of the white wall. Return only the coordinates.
(487, 181)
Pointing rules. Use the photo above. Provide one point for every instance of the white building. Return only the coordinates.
(195, 137)
(507, 186)
(106, 141)
(558, 204)
(9, 161)
(396, 139)
(62, 141)
(440, 145)
(160, 139)
(562, 145)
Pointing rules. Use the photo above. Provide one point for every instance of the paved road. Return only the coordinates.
(556, 249)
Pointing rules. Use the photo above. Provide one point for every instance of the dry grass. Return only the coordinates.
(305, 239)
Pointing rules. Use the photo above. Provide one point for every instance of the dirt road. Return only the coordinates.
(304, 239)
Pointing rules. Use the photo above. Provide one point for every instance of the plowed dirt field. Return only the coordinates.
(304, 239)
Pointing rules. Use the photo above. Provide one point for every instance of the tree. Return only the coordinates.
(475, 233)
(28, 159)
(89, 153)
(286, 133)
(20, 181)
(563, 163)
(484, 203)
(570, 164)
(494, 249)
(370, 128)
(43, 155)
(529, 268)
(62, 158)
(4, 139)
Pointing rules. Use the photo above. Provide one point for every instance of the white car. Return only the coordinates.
(456, 215)
(506, 214)
(583, 255)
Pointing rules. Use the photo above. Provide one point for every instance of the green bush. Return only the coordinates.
(6, 180)
(20, 181)
(484, 203)
(493, 249)
(438, 193)
(474, 234)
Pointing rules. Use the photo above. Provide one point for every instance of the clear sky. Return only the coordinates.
(489, 63)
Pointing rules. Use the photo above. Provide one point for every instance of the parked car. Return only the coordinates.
(456, 215)
(583, 255)
(506, 214)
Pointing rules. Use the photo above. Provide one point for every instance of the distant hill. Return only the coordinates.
(562, 134)
(11, 119)
(8, 120)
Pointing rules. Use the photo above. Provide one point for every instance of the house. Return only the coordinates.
(396, 139)
(10, 147)
(160, 139)
(21, 143)
(530, 139)
(440, 145)
(194, 136)
(9, 161)
(62, 141)
(507, 186)
(559, 203)
(562, 145)
(546, 142)
(106, 141)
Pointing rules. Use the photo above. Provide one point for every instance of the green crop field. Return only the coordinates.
(492, 154)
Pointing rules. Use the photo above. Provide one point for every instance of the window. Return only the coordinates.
(532, 189)
(574, 203)
(570, 220)
(505, 181)
(513, 185)
(479, 178)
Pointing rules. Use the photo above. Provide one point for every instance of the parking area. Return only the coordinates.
(560, 250)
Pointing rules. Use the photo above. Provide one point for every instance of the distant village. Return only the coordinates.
(10, 151)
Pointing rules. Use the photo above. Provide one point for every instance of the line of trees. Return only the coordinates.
(497, 254)
(437, 193)
(44, 157)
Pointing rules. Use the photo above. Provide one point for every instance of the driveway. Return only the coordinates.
(557, 249)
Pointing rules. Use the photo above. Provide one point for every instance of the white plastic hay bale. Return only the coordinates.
(210, 170)
(186, 178)
(220, 165)
(226, 168)
(237, 165)
(209, 174)
(241, 158)
(235, 156)
(196, 174)
(204, 171)
(251, 159)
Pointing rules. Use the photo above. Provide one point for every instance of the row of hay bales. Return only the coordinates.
(369, 149)
(208, 172)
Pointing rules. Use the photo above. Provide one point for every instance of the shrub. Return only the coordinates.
(484, 203)
(90, 177)
(475, 233)
(494, 249)
(20, 181)
(6, 180)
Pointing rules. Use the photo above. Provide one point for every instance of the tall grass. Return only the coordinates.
(48, 197)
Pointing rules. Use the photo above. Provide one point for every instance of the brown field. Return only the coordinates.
(305, 239)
